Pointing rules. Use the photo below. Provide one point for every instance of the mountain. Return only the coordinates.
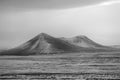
(46, 44)
(43, 44)
(83, 41)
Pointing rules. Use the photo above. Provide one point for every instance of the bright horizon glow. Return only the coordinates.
(109, 2)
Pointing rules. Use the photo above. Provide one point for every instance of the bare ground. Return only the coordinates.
(72, 66)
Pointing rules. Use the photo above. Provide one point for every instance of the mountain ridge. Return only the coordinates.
(46, 44)
(83, 41)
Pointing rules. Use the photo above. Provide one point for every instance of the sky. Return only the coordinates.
(21, 20)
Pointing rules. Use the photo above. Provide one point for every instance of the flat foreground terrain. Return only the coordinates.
(69, 66)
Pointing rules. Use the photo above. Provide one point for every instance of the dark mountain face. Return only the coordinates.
(83, 41)
(46, 44)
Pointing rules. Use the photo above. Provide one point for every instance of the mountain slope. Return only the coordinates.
(46, 44)
(83, 41)
(43, 44)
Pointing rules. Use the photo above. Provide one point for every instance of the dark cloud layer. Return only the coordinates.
(45, 4)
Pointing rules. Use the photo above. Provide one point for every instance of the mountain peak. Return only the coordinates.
(43, 35)
(79, 37)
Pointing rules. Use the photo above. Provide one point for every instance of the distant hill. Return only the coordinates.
(83, 41)
(46, 44)
(116, 46)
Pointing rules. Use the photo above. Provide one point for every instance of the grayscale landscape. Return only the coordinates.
(49, 58)
(59, 39)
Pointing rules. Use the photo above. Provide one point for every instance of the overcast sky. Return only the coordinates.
(21, 20)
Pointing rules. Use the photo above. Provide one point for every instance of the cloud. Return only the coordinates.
(110, 2)
(45, 4)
